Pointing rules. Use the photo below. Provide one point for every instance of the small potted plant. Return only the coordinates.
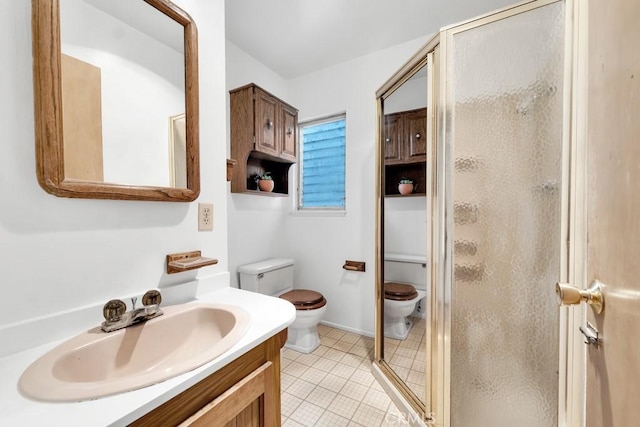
(265, 182)
(405, 186)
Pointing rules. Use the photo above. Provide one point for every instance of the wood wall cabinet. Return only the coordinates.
(264, 133)
(405, 137)
(289, 131)
(246, 392)
(405, 148)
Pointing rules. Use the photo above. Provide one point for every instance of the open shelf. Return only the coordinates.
(185, 261)
(414, 171)
(279, 172)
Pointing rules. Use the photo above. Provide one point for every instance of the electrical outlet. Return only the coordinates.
(205, 217)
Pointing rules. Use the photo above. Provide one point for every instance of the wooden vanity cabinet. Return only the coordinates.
(246, 392)
(405, 137)
(264, 132)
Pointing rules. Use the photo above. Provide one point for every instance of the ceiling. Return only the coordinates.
(297, 37)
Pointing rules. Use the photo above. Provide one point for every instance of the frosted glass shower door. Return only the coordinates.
(504, 146)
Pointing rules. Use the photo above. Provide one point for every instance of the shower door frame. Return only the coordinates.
(406, 399)
(571, 351)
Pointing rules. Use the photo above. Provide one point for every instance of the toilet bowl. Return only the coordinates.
(405, 281)
(275, 277)
(400, 300)
(310, 308)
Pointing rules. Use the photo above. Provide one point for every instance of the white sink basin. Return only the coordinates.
(97, 364)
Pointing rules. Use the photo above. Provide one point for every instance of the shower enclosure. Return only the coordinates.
(499, 205)
(498, 221)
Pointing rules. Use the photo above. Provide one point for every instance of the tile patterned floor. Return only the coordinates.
(333, 386)
(407, 358)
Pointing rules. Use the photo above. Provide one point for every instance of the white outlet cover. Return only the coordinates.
(205, 217)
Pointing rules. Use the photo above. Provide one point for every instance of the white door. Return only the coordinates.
(613, 211)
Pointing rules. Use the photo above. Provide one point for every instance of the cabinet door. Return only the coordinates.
(416, 136)
(240, 405)
(288, 133)
(265, 123)
(392, 138)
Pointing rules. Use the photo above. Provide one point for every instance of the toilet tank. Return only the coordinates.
(406, 268)
(272, 276)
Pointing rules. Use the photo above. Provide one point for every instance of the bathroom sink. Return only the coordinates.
(97, 364)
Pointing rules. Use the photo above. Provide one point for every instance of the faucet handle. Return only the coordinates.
(113, 310)
(152, 297)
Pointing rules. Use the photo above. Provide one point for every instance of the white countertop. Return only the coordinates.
(268, 316)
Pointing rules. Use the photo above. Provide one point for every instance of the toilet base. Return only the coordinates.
(397, 328)
(303, 340)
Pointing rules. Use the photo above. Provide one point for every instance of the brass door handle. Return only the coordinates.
(570, 295)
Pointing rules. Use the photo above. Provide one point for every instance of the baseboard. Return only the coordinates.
(347, 328)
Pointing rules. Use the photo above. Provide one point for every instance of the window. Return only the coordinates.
(322, 163)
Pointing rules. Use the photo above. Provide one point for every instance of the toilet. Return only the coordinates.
(404, 288)
(275, 277)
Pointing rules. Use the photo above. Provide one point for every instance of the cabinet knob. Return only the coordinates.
(388, 140)
(417, 136)
(289, 131)
(269, 124)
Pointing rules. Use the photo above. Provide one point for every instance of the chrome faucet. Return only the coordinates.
(117, 317)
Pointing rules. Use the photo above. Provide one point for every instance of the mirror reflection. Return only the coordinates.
(405, 231)
(178, 150)
(123, 82)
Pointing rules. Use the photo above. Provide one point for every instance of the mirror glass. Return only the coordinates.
(127, 90)
(404, 243)
(122, 81)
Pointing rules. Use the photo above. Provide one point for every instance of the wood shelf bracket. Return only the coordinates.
(231, 163)
(354, 265)
(185, 261)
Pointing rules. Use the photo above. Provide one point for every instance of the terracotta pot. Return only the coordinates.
(266, 185)
(405, 189)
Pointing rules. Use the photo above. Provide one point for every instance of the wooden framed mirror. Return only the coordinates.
(119, 92)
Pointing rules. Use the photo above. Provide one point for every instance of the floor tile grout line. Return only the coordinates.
(360, 349)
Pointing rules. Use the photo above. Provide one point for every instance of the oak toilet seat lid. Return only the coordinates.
(399, 291)
(305, 299)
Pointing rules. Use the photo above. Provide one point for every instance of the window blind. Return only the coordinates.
(323, 164)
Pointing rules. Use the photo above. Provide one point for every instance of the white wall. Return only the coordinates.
(242, 69)
(262, 227)
(322, 244)
(405, 225)
(410, 96)
(59, 254)
(255, 222)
